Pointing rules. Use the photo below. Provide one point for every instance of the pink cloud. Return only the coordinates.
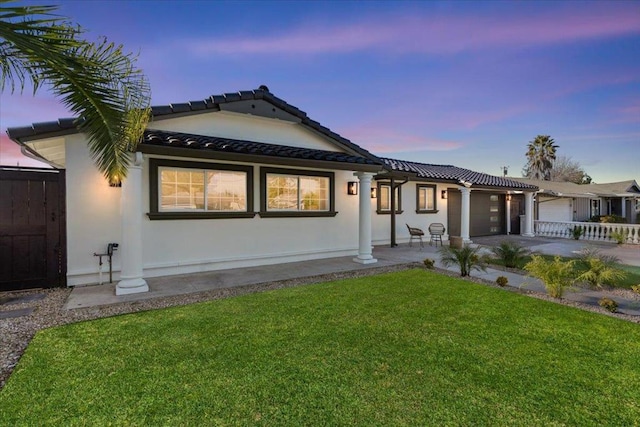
(436, 34)
(387, 140)
(22, 110)
(10, 154)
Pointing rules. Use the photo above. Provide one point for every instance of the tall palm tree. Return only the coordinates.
(97, 82)
(541, 152)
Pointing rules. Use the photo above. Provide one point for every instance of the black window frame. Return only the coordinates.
(154, 190)
(264, 213)
(435, 199)
(379, 209)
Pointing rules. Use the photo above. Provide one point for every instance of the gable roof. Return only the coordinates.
(234, 101)
(166, 142)
(454, 174)
(570, 189)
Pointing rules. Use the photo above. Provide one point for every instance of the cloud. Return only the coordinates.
(433, 33)
(387, 140)
(10, 154)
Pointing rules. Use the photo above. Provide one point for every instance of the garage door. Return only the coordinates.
(487, 213)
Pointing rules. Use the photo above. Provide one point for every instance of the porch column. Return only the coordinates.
(465, 214)
(623, 212)
(507, 213)
(364, 229)
(528, 211)
(131, 281)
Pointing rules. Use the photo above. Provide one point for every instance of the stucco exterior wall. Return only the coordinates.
(381, 223)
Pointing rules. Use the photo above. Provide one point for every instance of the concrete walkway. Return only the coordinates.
(88, 296)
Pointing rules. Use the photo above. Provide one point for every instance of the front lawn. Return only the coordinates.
(408, 348)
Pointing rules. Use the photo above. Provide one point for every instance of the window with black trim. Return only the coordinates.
(384, 198)
(196, 190)
(291, 192)
(426, 199)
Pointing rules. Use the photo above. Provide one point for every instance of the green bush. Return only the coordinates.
(608, 304)
(502, 281)
(429, 263)
(619, 236)
(635, 288)
(613, 219)
(511, 254)
(467, 258)
(576, 231)
(598, 269)
(556, 275)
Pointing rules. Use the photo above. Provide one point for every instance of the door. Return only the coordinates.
(515, 210)
(32, 229)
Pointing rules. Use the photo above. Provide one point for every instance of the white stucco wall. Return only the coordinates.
(381, 223)
(555, 209)
(184, 246)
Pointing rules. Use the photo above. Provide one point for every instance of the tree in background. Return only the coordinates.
(566, 170)
(97, 82)
(541, 153)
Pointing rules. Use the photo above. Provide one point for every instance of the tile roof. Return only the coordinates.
(570, 189)
(449, 173)
(237, 146)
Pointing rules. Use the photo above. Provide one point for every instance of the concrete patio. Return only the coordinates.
(96, 295)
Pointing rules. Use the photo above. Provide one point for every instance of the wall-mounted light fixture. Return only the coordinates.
(508, 197)
(374, 192)
(443, 194)
(115, 181)
(352, 188)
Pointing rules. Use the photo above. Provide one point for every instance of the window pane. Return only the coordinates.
(226, 191)
(313, 193)
(385, 197)
(181, 189)
(282, 192)
(493, 197)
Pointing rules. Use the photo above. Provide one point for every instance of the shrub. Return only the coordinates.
(502, 281)
(613, 219)
(511, 254)
(598, 269)
(635, 288)
(429, 263)
(467, 258)
(556, 275)
(608, 304)
(576, 232)
(619, 236)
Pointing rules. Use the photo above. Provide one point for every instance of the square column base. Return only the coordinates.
(131, 286)
(365, 261)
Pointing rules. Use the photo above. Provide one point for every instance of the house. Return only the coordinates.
(246, 179)
(567, 201)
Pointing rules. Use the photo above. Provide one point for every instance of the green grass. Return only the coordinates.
(409, 348)
(632, 277)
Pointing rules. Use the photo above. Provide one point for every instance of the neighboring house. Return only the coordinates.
(567, 201)
(246, 179)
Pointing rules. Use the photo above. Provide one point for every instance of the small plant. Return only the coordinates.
(576, 232)
(466, 257)
(635, 288)
(619, 236)
(608, 304)
(598, 269)
(556, 275)
(429, 263)
(511, 254)
(502, 281)
(613, 219)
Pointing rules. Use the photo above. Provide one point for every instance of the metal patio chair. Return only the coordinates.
(415, 233)
(436, 230)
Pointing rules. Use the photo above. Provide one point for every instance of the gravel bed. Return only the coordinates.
(16, 333)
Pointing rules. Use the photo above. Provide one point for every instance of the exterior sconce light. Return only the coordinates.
(508, 197)
(374, 192)
(443, 194)
(115, 181)
(352, 188)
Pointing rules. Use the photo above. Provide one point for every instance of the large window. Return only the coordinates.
(426, 199)
(384, 198)
(181, 190)
(287, 192)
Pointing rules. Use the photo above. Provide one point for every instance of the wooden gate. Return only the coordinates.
(32, 229)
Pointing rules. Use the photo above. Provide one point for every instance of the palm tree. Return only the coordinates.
(541, 152)
(97, 82)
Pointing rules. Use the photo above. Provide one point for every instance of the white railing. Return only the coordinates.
(595, 231)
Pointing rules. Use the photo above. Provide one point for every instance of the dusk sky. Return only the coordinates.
(463, 83)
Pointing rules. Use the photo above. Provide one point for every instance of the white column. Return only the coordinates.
(465, 214)
(507, 214)
(528, 211)
(131, 281)
(623, 212)
(364, 229)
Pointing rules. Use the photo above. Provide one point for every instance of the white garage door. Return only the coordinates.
(555, 209)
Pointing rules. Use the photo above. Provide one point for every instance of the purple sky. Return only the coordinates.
(463, 83)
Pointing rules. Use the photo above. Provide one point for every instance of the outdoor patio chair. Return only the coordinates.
(415, 233)
(436, 230)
